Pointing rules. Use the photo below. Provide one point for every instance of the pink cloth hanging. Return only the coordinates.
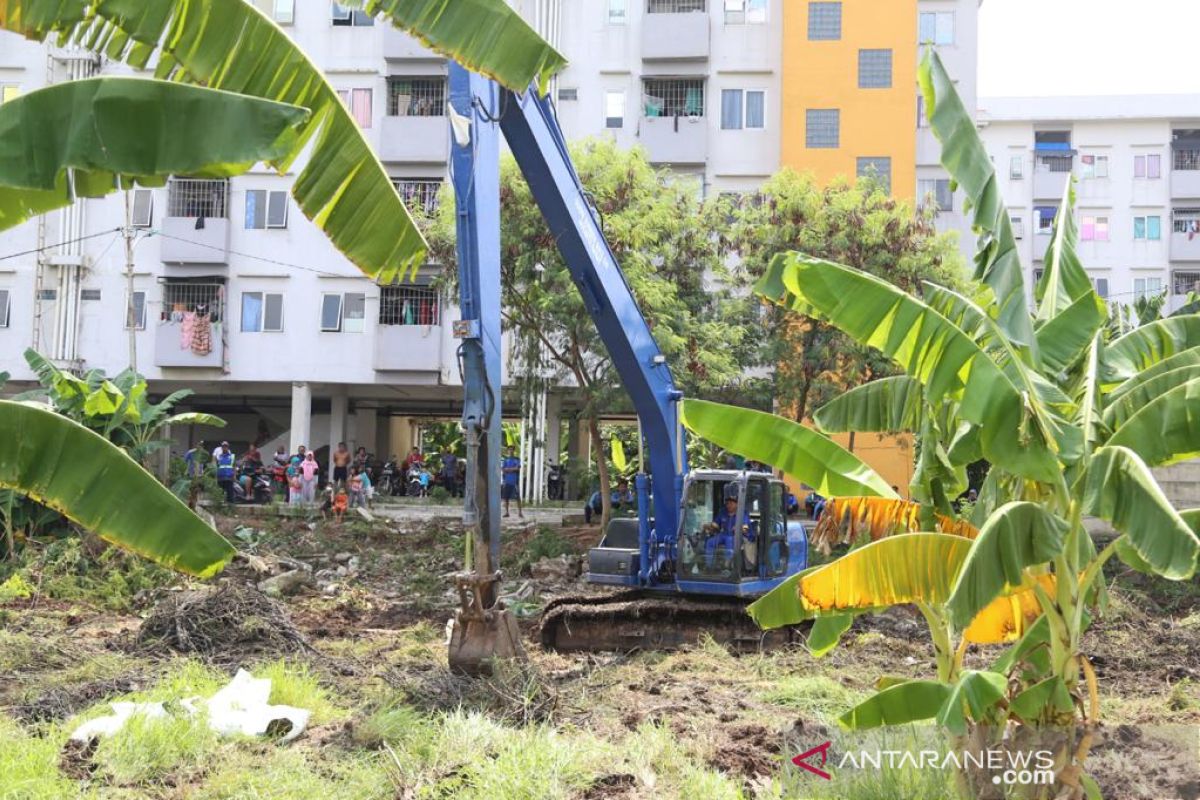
(187, 330)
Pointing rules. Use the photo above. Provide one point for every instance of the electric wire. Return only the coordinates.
(59, 244)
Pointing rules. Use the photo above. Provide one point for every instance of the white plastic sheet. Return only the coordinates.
(240, 707)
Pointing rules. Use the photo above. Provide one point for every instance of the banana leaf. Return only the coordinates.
(1187, 358)
(1017, 536)
(974, 695)
(801, 452)
(1014, 433)
(1120, 488)
(1064, 281)
(91, 137)
(1070, 330)
(1153, 342)
(848, 519)
(1117, 411)
(1166, 429)
(899, 704)
(89, 480)
(997, 261)
(887, 405)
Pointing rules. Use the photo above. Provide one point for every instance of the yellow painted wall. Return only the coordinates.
(824, 74)
(889, 455)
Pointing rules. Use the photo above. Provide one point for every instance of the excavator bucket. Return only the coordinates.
(481, 635)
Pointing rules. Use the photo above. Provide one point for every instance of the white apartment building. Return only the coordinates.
(1136, 160)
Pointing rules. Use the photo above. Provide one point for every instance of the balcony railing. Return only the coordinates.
(190, 328)
(196, 227)
(674, 6)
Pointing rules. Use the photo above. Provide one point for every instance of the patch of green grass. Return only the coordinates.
(20, 651)
(815, 695)
(391, 724)
(295, 685)
(150, 751)
(546, 543)
(1182, 696)
(29, 766)
(664, 766)
(293, 773)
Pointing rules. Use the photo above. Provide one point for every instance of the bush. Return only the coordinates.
(439, 494)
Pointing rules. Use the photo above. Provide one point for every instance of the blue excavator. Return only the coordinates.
(705, 542)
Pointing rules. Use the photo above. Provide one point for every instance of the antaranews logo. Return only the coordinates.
(1008, 767)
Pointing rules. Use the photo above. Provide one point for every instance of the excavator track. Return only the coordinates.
(635, 620)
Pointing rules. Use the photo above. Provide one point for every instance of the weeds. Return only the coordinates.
(29, 765)
(814, 695)
(151, 751)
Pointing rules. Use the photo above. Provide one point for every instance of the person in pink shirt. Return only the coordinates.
(308, 478)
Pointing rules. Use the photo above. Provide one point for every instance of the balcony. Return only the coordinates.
(1050, 175)
(408, 348)
(196, 227)
(675, 140)
(1185, 180)
(188, 327)
(170, 349)
(675, 30)
(399, 46)
(1041, 243)
(414, 139)
(1185, 246)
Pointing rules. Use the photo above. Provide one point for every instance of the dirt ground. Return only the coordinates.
(369, 616)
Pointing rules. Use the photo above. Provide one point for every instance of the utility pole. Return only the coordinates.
(130, 309)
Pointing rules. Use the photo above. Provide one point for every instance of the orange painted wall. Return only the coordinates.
(889, 455)
(824, 74)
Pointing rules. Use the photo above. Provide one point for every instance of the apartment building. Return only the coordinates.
(1136, 162)
(851, 103)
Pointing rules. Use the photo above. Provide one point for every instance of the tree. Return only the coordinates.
(669, 257)
(855, 224)
(1072, 417)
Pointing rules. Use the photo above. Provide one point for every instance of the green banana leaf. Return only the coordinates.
(887, 405)
(1016, 536)
(1144, 347)
(1032, 649)
(89, 480)
(781, 607)
(799, 451)
(1064, 281)
(997, 261)
(91, 137)
(1117, 411)
(618, 455)
(899, 704)
(1070, 330)
(1166, 429)
(1089, 394)
(1051, 693)
(826, 632)
(1120, 488)
(1187, 358)
(975, 694)
(485, 36)
(232, 45)
(1014, 432)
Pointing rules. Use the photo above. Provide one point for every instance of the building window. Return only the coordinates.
(181, 297)
(1093, 229)
(350, 17)
(344, 313)
(1094, 166)
(936, 190)
(878, 168)
(617, 12)
(284, 11)
(1018, 227)
(1186, 220)
(743, 109)
(936, 27)
(673, 6)
(1185, 147)
(743, 12)
(262, 312)
(1045, 219)
(417, 97)
(822, 127)
(922, 118)
(1184, 282)
(566, 94)
(673, 97)
(358, 101)
(409, 305)
(143, 208)
(1016, 168)
(191, 197)
(1101, 286)
(1148, 228)
(9, 91)
(1037, 276)
(1147, 166)
(4, 307)
(874, 69)
(824, 22)
(265, 209)
(614, 109)
(1147, 288)
(419, 193)
(135, 312)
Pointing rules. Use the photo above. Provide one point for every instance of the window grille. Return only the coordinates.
(566, 94)
(1184, 281)
(350, 17)
(878, 168)
(674, 6)
(822, 127)
(1018, 227)
(417, 97)
(180, 298)
(1187, 160)
(5, 302)
(874, 69)
(824, 21)
(1186, 220)
(1037, 276)
(1054, 163)
(409, 305)
(89, 294)
(192, 197)
(419, 192)
(673, 97)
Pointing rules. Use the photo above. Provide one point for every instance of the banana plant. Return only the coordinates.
(1071, 418)
(233, 46)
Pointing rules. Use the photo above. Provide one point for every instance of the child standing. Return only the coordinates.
(308, 478)
(356, 491)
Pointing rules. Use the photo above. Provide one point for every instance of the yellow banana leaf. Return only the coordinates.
(846, 519)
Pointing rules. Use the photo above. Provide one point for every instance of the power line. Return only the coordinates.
(250, 255)
(59, 244)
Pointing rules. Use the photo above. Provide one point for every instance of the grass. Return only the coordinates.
(814, 695)
(29, 766)
(149, 752)
(295, 685)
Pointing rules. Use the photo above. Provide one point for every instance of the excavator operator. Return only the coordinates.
(723, 532)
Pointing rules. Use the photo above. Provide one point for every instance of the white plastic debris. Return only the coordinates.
(240, 707)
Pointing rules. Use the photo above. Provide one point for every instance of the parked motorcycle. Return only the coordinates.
(554, 482)
(259, 487)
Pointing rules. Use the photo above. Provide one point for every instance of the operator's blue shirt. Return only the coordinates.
(726, 534)
(512, 470)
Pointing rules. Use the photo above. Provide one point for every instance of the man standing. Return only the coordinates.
(450, 472)
(510, 468)
(225, 461)
(341, 465)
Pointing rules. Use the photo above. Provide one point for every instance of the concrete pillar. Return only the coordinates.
(364, 429)
(401, 436)
(338, 407)
(553, 426)
(301, 432)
